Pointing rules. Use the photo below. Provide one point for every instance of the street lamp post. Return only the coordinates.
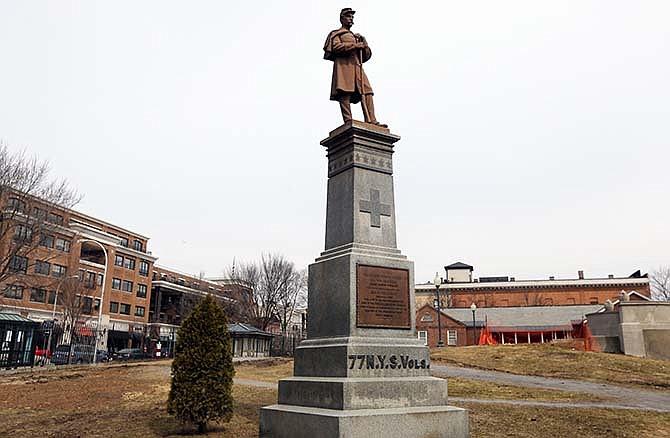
(473, 307)
(53, 313)
(437, 282)
(102, 296)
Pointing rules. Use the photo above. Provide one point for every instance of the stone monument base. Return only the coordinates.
(287, 421)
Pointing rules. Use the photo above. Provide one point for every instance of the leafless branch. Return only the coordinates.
(660, 283)
(30, 203)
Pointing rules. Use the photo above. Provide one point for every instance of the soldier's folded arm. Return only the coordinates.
(340, 46)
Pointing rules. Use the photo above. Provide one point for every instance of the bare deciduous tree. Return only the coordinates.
(294, 296)
(27, 194)
(76, 307)
(277, 288)
(660, 283)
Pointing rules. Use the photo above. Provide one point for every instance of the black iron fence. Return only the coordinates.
(59, 343)
(285, 345)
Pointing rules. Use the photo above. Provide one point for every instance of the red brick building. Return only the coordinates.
(66, 244)
(460, 289)
(142, 304)
(454, 333)
(507, 325)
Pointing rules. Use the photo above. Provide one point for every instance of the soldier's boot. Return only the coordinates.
(369, 111)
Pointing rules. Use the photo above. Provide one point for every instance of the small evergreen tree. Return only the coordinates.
(202, 370)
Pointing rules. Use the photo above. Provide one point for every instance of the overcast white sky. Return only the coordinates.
(535, 134)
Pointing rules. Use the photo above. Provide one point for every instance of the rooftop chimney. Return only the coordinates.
(551, 278)
(580, 274)
(610, 276)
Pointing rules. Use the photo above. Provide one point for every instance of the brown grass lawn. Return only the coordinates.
(551, 360)
(117, 401)
(275, 369)
(129, 401)
(270, 370)
(534, 422)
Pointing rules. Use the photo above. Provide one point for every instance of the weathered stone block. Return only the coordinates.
(283, 421)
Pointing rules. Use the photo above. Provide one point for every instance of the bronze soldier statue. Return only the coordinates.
(349, 51)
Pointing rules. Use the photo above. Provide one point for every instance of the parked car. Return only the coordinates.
(104, 356)
(80, 354)
(129, 354)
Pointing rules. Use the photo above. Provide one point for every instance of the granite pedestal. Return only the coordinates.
(362, 371)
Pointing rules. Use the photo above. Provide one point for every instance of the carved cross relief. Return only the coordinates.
(375, 208)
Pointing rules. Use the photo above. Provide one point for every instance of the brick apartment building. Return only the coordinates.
(143, 304)
(71, 244)
(459, 289)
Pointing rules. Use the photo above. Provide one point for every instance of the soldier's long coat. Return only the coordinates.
(348, 74)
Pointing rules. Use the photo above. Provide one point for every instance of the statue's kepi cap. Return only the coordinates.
(347, 11)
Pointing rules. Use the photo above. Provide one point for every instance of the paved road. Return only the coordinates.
(621, 397)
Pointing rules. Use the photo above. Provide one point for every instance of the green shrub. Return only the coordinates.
(202, 370)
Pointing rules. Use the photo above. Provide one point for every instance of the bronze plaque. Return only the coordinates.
(382, 297)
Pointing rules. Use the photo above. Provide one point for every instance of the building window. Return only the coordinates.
(451, 337)
(52, 298)
(59, 270)
(142, 290)
(23, 233)
(16, 204)
(39, 213)
(593, 300)
(118, 260)
(129, 263)
(139, 311)
(87, 306)
(144, 268)
(38, 295)
(113, 307)
(123, 242)
(43, 268)
(14, 292)
(90, 280)
(116, 283)
(18, 264)
(137, 245)
(100, 279)
(427, 317)
(127, 286)
(124, 309)
(63, 245)
(96, 304)
(47, 240)
(55, 218)
(423, 336)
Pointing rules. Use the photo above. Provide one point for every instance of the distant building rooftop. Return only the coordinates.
(529, 318)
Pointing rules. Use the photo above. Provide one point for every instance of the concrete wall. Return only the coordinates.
(645, 329)
(608, 344)
(605, 330)
(657, 344)
(604, 324)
